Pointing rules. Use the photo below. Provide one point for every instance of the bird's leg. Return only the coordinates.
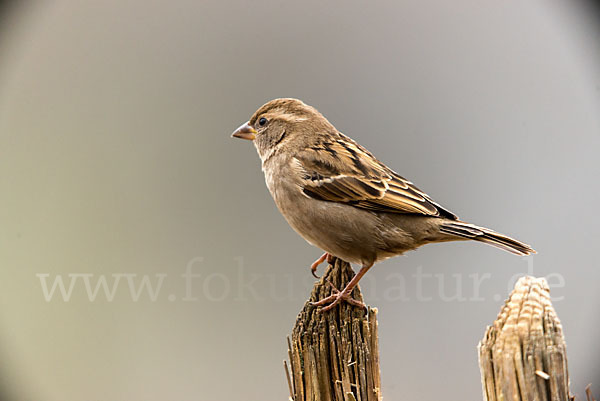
(316, 263)
(338, 296)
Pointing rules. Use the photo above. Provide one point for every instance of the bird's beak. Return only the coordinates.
(245, 131)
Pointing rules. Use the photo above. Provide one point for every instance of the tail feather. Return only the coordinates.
(471, 231)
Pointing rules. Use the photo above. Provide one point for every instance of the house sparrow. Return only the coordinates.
(340, 198)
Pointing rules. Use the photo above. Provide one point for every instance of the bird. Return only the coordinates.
(340, 198)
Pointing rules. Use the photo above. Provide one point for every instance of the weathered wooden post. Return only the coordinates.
(334, 356)
(523, 356)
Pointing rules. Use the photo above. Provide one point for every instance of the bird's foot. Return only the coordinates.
(316, 263)
(337, 297)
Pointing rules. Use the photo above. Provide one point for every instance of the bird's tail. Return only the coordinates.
(471, 231)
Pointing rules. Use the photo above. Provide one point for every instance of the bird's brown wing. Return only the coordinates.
(343, 171)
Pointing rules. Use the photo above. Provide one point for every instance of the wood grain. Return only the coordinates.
(334, 356)
(522, 356)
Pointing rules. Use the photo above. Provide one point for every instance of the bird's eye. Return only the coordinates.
(262, 122)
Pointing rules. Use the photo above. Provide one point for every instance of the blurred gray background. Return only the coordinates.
(116, 162)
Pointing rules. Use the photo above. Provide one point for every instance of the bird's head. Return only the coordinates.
(283, 121)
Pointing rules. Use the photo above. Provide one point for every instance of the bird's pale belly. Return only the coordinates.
(341, 230)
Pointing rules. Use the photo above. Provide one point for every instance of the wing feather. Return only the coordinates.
(344, 171)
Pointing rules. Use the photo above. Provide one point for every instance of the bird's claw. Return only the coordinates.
(313, 269)
(316, 263)
(335, 298)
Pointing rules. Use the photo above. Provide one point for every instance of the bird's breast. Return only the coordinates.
(337, 228)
